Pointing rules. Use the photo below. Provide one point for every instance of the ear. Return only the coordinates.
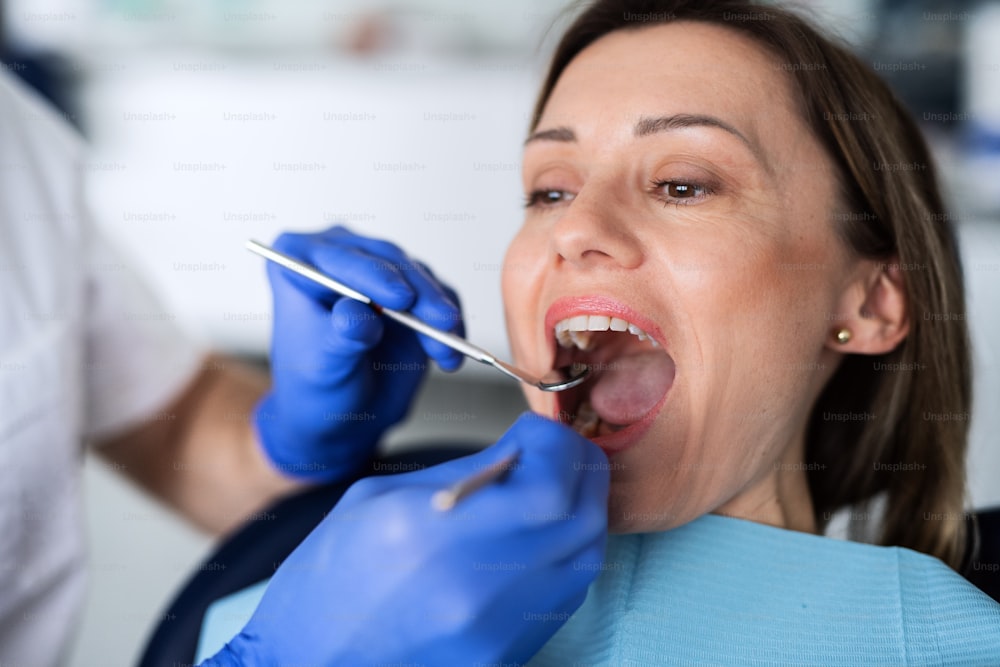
(873, 309)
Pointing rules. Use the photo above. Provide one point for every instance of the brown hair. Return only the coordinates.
(915, 400)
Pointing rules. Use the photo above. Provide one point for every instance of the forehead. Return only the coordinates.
(682, 67)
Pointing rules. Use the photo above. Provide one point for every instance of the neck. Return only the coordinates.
(780, 499)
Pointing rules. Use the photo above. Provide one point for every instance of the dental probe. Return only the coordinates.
(559, 383)
(445, 499)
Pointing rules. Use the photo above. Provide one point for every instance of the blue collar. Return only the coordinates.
(727, 591)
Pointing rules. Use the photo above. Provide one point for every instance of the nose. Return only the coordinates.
(593, 232)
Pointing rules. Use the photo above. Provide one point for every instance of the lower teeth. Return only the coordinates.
(587, 421)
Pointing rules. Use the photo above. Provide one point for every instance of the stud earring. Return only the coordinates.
(843, 336)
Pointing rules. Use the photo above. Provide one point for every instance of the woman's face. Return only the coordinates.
(673, 186)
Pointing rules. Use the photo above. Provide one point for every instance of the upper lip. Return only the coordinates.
(570, 306)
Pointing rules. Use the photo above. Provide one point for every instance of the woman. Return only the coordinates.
(735, 223)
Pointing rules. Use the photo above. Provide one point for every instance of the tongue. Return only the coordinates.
(631, 386)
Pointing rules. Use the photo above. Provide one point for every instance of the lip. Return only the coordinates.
(568, 306)
(565, 307)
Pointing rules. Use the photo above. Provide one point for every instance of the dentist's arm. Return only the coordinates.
(199, 455)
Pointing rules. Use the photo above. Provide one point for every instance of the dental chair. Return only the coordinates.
(983, 566)
(254, 552)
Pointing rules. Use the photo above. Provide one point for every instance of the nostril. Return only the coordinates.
(580, 238)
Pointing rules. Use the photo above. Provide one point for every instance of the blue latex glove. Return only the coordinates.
(343, 375)
(387, 579)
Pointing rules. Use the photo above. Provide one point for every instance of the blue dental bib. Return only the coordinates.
(723, 591)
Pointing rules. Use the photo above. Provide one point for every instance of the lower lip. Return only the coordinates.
(619, 441)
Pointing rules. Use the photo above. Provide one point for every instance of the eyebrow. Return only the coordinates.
(649, 125)
(563, 134)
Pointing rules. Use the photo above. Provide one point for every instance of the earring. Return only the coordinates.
(843, 336)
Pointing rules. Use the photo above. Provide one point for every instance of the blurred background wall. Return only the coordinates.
(213, 121)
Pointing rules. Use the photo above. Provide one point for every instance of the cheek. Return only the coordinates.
(508, 277)
(758, 268)
(519, 281)
(512, 285)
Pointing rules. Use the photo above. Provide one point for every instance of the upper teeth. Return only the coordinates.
(577, 330)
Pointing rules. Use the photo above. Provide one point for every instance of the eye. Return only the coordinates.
(679, 192)
(547, 198)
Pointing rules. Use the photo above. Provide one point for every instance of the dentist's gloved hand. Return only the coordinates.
(387, 579)
(341, 374)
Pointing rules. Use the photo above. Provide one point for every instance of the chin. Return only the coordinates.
(634, 510)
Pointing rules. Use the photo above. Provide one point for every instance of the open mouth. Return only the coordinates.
(631, 374)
